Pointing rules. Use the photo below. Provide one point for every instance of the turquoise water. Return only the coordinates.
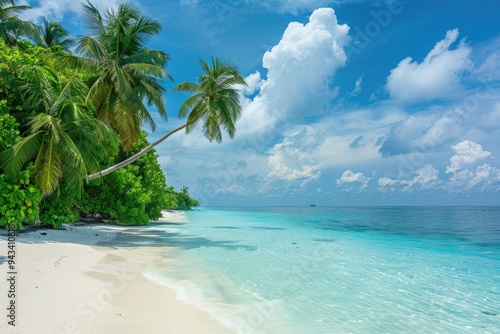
(339, 270)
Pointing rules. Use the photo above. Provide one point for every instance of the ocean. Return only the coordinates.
(339, 269)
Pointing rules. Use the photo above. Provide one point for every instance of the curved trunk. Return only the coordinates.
(134, 157)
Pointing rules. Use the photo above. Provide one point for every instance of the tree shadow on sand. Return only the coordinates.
(153, 235)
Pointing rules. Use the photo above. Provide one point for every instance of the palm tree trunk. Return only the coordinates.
(134, 157)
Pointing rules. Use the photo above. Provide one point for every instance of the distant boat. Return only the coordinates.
(312, 205)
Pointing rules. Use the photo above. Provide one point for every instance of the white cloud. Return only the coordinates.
(349, 178)
(357, 87)
(466, 174)
(254, 82)
(467, 153)
(483, 178)
(426, 177)
(292, 159)
(344, 147)
(299, 73)
(437, 76)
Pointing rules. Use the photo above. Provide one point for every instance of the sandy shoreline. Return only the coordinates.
(88, 279)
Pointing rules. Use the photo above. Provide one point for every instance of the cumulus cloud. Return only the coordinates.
(299, 73)
(465, 172)
(254, 82)
(467, 153)
(426, 177)
(436, 76)
(350, 179)
(292, 159)
(483, 178)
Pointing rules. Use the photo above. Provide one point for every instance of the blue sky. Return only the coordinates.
(350, 102)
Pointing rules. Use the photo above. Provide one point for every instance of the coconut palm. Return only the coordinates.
(214, 104)
(11, 27)
(65, 141)
(128, 75)
(53, 34)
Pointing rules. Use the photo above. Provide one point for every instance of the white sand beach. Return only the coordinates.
(88, 278)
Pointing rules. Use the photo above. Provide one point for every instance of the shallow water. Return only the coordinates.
(340, 270)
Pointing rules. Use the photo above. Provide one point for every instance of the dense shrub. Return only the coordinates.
(19, 200)
(58, 209)
(179, 200)
(132, 195)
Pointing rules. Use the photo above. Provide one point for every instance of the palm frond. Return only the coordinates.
(93, 18)
(48, 167)
(14, 158)
(91, 48)
(186, 87)
(188, 105)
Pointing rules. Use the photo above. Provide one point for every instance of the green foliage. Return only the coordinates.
(63, 138)
(179, 200)
(55, 121)
(119, 196)
(54, 35)
(171, 199)
(19, 200)
(152, 177)
(9, 129)
(132, 195)
(215, 102)
(58, 209)
(11, 26)
(127, 76)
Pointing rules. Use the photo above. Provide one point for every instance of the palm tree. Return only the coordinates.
(214, 103)
(11, 27)
(53, 34)
(64, 140)
(128, 76)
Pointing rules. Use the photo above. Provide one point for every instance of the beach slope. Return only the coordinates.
(88, 278)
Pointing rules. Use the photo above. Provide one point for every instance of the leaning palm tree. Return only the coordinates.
(54, 34)
(214, 104)
(11, 27)
(128, 75)
(65, 141)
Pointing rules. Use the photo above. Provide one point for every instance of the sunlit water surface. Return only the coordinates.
(339, 270)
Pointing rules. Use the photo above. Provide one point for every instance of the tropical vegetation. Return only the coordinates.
(68, 118)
